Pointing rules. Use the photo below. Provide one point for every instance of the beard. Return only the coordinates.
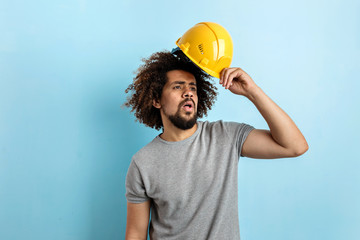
(181, 122)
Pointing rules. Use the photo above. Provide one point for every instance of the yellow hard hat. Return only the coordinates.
(209, 46)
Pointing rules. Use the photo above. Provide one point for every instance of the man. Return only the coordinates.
(187, 176)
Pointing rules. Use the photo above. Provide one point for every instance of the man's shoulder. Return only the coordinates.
(219, 124)
(224, 127)
(146, 151)
(207, 124)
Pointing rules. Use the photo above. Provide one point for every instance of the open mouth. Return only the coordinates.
(188, 106)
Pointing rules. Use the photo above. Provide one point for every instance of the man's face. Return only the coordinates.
(179, 99)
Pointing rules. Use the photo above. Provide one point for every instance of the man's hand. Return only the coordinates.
(237, 81)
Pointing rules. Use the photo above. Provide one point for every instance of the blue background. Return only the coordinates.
(66, 143)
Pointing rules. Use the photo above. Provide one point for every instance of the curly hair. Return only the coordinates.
(149, 82)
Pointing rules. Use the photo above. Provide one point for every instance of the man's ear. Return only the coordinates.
(156, 103)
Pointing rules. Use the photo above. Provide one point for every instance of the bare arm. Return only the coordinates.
(284, 138)
(138, 215)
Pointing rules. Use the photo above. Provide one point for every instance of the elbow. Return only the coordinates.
(301, 150)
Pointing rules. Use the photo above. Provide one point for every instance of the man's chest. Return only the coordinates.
(182, 182)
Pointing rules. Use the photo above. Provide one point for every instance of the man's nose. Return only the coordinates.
(188, 93)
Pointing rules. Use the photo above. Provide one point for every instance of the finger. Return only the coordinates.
(226, 76)
(222, 75)
(234, 74)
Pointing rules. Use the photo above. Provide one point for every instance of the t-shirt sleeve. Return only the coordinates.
(239, 133)
(135, 189)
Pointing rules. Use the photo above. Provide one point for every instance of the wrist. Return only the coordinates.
(253, 93)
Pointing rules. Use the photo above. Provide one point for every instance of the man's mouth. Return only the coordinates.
(188, 105)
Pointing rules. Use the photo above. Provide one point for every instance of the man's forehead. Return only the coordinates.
(180, 76)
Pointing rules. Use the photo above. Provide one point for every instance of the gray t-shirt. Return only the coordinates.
(192, 184)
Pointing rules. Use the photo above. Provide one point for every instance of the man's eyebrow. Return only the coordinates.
(182, 82)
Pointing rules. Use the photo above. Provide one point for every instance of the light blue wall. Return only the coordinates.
(65, 143)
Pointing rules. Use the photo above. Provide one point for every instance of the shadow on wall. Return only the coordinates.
(112, 137)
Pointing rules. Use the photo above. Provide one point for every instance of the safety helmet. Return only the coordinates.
(209, 46)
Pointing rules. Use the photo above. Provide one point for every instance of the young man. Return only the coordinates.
(187, 176)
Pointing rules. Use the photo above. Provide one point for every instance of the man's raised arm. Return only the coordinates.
(284, 138)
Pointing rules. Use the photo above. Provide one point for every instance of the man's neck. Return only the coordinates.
(174, 134)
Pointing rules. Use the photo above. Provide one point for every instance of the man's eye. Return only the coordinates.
(177, 87)
(194, 89)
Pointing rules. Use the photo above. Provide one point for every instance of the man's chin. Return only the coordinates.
(189, 114)
(184, 123)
